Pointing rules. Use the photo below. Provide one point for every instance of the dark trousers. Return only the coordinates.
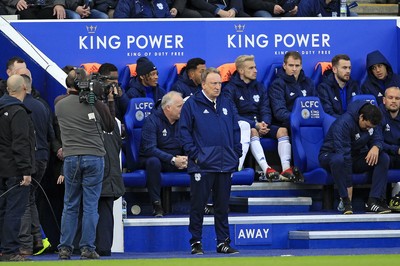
(200, 187)
(334, 163)
(36, 12)
(154, 167)
(12, 207)
(30, 224)
(105, 226)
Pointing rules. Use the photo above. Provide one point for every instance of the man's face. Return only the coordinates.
(151, 79)
(248, 72)
(379, 71)
(11, 70)
(292, 67)
(392, 99)
(365, 124)
(342, 70)
(175, 108)
(113, 77)
(212, 85)
(195, 74)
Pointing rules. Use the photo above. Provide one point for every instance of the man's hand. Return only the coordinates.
(262, 128)
(173, 12)
(60, 179)
(60, 155)
(278, 10)
(21, 5)
(26, 181)
(181, 162)
(372, 156)
(59, 11)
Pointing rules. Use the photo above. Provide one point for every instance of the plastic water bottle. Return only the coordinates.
(124, 209)
(343, 8)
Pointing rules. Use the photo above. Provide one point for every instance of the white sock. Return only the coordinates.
(244, 140)
(258, 153)
(284, 151)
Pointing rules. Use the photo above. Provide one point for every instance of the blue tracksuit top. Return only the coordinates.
(283, 92)
(319, 8)
(160, 138)
(251, 100)
(142, 9)
(185, 85)
(212, 137)
(329, 94)
(137, 90)
(374, 86)
(390, 131)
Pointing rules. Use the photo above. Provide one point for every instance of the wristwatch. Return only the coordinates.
(173, 161)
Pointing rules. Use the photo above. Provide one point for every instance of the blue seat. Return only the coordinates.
(270, 74)
(126, 74)
(309, 125)
(365, 97)
(319, 71)
(173, 75)
(138, 110)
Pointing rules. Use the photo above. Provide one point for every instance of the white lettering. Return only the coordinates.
(145, 105)
(302, 40)
(253, 233)
(99, 42)
(309, 104)
(266, 231)
(154, 41)
(246, 41)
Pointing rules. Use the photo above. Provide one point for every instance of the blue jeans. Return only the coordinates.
(12, 207)
(83, 180)
(94, 13)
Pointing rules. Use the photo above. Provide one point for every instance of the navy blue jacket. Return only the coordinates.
(42, 123)
(160, 138)
(251, 100)
(346, 137)
(142, 9)
(283, 92)
(210, 137)
(374, 86)
(185, 85)
(137, 90)
(17, 138)
(390, 131)
(318, 8)
(329, 94)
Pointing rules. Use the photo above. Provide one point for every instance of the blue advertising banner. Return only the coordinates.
(253, 234)
(171, 41)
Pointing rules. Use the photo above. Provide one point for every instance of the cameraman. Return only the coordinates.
(82, 119)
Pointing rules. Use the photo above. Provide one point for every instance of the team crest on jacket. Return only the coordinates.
(197, 177)
(160, 6)
(357, 136)
(304, 93)
(164, 132)
(225, 111)
(387, 127)
(371, 131)
(256, 98)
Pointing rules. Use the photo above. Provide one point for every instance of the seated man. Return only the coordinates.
(391, 133)
(160, 149)
(80, 9)
(380, 76)
(189, 80)
(178, 9)
(252, 103)
(145, 84)
(271, 8)
(353, 146)
(219, 8)
(290, 83)
(142, 9)
(337, 87)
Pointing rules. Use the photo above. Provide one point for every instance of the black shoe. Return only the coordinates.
(347, 208)
(13, 257)
(87, 254)
(197, 248)
(299, 176)
(225, 248)
(157, 209)
(64, 253)
(209, 209)
(375, 206)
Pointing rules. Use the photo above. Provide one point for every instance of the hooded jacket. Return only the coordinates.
(210, 137)
(137, 90)
(142, 9)
(283, 92)
(319, 8)
(185, 85)
(390, 132)
(346, 137)
(17, 139)
(251, 100)
(374, 86)
(329, 94)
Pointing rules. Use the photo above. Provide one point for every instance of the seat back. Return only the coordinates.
(319, 71)
(270, 74)
(173, 75)
(365, 97)
(91, 67)
(309, 125)
(226, 71)
(126, 74)
(138, 110)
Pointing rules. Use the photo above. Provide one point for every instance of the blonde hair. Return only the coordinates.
(239, 62)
